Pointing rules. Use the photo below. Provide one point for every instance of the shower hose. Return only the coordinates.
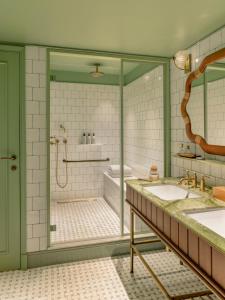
(57, 165)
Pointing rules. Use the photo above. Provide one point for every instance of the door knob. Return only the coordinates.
(12, 157)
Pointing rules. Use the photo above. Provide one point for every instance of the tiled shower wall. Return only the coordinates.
(143, 122)
(36, 148)
(216, 170)
(89, 108)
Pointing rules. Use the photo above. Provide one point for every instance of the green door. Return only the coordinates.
(9, 161)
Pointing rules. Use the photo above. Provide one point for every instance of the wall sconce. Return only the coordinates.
(182, 60)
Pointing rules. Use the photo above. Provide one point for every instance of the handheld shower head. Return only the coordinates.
(62, 127)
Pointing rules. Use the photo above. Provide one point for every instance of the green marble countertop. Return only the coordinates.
(177, 208)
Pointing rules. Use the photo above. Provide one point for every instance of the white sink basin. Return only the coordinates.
(170, 192)
(212, 219)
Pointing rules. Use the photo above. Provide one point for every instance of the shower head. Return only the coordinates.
(96, 73)
(62, 127)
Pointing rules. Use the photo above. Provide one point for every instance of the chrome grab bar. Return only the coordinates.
(88, 160)
(12, 157)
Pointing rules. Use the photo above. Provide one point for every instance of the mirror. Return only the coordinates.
(195, 107)
(203, 105)
(215, 103)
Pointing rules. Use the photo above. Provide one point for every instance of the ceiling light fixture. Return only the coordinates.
(96, 73)
(182, 60)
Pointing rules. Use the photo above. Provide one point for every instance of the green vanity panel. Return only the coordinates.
(9, 144)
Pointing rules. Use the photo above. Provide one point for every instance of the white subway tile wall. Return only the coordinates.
(216, 170)
(36, 147)
(143, 127)
(83, 108)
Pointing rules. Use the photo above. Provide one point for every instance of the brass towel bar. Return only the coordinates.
(88, 160)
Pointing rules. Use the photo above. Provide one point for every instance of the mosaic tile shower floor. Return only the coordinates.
(100, 279)
(82, 220)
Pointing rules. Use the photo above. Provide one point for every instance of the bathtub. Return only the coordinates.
(112, 197)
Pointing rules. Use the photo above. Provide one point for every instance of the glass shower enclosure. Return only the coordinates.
(105, 113)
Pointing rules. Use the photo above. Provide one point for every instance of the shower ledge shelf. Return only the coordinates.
(85, 145)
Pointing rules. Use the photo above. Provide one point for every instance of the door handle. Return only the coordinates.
(12, 157)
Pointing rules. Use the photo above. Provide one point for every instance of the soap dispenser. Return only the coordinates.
(89, 138)
(84, 138)
(93, 138)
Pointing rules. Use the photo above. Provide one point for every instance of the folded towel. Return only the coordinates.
(219, 192)
(114, 170)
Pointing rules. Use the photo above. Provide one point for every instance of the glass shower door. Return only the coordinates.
(142, 124)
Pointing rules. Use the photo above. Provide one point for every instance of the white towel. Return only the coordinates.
(114, 170)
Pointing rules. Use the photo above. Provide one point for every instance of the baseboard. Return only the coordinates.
(79, 253)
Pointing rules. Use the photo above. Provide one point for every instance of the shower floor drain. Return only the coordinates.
(76, 200)
(83, 219)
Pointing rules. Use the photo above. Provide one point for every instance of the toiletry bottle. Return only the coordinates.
(84, 138)
(153, 174)
(188, 149)
(93, 138)
(89, 138)
(181, 149)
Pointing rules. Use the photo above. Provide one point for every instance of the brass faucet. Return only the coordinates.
(202, 183)
(191, 181)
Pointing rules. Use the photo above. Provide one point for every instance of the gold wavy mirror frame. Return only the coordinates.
(195, 138)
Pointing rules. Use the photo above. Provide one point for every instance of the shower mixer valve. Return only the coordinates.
(54, 140)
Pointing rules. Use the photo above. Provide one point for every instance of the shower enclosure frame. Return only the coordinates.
(165, 62)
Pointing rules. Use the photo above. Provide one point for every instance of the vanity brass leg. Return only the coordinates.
(168, 249)
(134, 251)
(131, 240)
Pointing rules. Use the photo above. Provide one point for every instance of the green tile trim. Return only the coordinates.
(167, 120)
(121, 149)
(79, 253)
(131, 57)
(48, 145)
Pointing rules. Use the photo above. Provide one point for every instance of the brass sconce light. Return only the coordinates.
(182, 60)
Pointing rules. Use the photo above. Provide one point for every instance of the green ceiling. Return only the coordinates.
(152, 27)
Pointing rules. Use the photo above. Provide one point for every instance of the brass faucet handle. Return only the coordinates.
(202, 183)
(195, 180)
(205, 176)
(187, 173)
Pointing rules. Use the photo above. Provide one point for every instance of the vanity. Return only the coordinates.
(189, 222)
